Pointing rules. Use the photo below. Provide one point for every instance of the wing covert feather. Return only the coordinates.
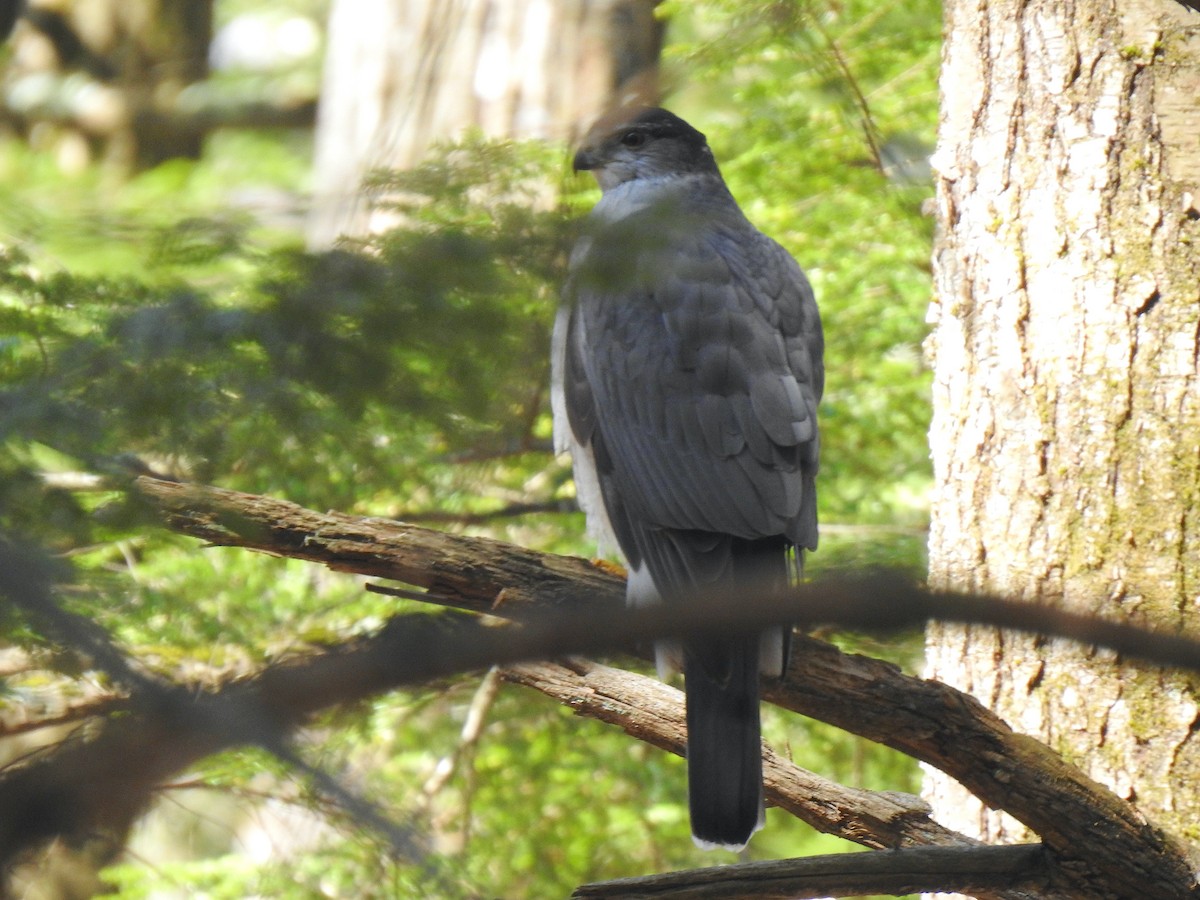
(698, 349)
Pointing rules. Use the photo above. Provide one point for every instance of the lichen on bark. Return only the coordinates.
(1066, 434)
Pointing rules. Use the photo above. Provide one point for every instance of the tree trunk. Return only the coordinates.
(108, 74)
(403, 74)
(1066, 432)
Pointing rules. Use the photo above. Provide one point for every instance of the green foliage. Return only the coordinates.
(798, 147)
(147, 324)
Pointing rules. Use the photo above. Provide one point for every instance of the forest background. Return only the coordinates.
(170, 317)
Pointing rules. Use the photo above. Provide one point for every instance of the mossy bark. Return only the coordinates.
(1066, 340)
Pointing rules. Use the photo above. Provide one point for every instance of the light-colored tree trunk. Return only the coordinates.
(401, 75)
(1066, 433)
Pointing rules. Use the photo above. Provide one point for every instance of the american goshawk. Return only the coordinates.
(687, 372)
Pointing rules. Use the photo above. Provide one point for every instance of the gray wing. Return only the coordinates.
(693, 369)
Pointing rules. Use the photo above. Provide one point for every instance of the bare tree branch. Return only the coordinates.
(1021, 870)
(1100, 846)
(62, 102)
(1007, 770)
(1073, 815)
(653, 712)
(467, 572)
(490, 576)
(16, 719)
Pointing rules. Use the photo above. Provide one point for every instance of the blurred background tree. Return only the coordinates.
(156, 303)
(132, 83)
(403, 75)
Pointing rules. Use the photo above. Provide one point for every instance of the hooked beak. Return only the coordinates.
(586, 160)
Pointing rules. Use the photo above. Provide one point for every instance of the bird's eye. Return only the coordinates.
(633, 138)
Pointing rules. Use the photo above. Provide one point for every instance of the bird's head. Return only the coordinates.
(642, 143)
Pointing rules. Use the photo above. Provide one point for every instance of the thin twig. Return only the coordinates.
(472, 730)
(868, 120)
(72, 715)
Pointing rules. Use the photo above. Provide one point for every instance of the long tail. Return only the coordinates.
(721, 680)
(724, 749)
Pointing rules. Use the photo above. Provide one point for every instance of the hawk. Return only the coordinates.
(687, 371)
